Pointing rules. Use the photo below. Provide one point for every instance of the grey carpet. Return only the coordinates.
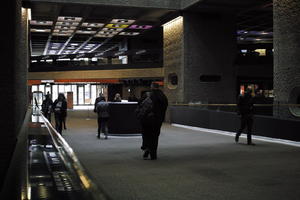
(191, 165)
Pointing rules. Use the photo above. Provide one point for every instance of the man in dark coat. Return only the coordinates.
(155, 120)
(47, 107)
(245, 109)
(60, 110)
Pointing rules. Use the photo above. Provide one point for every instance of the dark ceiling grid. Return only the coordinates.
(57, 10)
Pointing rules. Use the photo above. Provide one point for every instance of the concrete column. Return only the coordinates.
(200, 45)
(13, 79)
(286, 57)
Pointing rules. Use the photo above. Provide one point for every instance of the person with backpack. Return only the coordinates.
(151, 113)
(60, 110)
(102, 109)
(47, 107)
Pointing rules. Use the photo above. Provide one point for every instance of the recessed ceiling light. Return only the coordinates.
(104, 35)
(40, 30)
(69, 19)
(85, 32)
(61, 34)
(113, 29)
(122, 21)
(129, 33)
(116, 26)
(108, 32)
(67, 24)
(41, 23)
(140, 27)
(96, 25)
(66, 27)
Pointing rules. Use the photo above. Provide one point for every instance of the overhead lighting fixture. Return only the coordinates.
(41, 23)
(113, 29)
(116, 26)
(144, 27)
(29, 16)
(122, 21)
(69, 19)
(92, 25)
(129, 33)
(85, 32)
(67, 23)
(108, 32)
(40, 30)
(104, 35)
(63, 31)
(61, 34)
(65, 27)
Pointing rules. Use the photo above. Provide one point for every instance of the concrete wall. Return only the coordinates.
(13, 79)
(286, 53)
(209, 49)
(169, 4)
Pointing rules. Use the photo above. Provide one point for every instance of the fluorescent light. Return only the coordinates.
(140, 27)
(122, 21)
(96, 25)
(41, 23)
(29, 13)
(40, 30)
(113, 29)
(129, 33)
(116, 26)
(69, 19)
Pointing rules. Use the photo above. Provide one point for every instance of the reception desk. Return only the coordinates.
(122, 118)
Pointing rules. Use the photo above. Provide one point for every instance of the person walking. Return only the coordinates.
(60, 110)
(47, 107)
(245, 110)
(102, 109)
(117, 98)
(153, 120)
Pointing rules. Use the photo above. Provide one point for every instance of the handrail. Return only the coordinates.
(259, 105)
(73, 164)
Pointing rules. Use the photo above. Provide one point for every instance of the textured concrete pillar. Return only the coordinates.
(198, 45)
(286, 56)
(13, 78)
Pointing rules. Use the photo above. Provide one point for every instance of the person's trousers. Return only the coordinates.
(150, 139)
(102, 125)
(58, 122)
(246, 121)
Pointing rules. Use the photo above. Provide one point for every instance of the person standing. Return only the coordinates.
(154, 120)
(47, 107)
(102, 108)
(64, 116)
(60, 110)
(245, 110)
(117, 98)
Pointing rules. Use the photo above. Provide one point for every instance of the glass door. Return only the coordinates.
(80, 94)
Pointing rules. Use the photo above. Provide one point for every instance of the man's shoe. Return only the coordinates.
(146, 154)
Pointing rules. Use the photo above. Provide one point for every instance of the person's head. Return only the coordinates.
(154, 85)
(101, 94)
(117, 95)
(61, 96)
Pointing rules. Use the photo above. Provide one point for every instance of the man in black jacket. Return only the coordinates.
(245, 109)
(158, 111)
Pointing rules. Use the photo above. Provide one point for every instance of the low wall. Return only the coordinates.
(228, 121)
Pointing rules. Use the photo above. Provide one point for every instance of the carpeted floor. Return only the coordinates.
(191, 165)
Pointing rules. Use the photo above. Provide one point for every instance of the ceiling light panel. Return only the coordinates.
(104, 35)
(122, 21)
(41, 23)
(144, 27)
(129, 33)
(40, 30)
(116, 26)
(108, 32)
(65, 27)
(113, 29)
(69, 19)
(92, 25)
(67, 23)
(61, 34)
(85, 32)
(62, 31)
